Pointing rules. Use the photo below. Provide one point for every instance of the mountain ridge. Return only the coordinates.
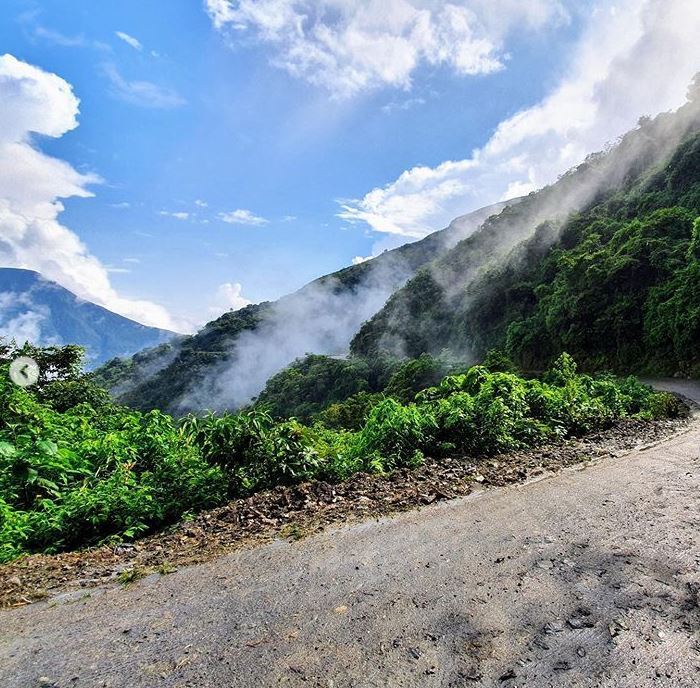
(406, 302)
(434, 310)
(41, 310)
(231, 358)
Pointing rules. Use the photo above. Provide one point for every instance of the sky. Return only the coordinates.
(172, 159)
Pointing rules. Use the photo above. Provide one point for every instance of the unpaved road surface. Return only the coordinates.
(587, 578)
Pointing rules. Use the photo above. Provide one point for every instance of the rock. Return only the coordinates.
(581, 619)
(507, 676)
(15, 580)
(553, 627)
(617, 626)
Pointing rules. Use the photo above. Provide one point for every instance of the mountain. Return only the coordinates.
(601, 264)
(227, 363)
(43, 312)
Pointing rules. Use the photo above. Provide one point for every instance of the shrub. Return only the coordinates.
(76, 469)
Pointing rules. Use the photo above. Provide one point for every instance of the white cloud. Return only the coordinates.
(129, 40)
(121, 206)
(201, 204)
(634, 60)
(242, 217)
(406, 104)
(229, 296)
(357, 260)
(348, 46)
(142, 93)
(178, 215)
(58, 38)
(21, 320)
(29, 21)
(26, 327)
(33, 101)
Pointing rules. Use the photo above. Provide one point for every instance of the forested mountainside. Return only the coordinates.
(616, 283)
(230, 359)
(602, 263)
(36, 309)
(620, 288)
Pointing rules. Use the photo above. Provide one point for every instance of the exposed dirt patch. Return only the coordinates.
(294, 512)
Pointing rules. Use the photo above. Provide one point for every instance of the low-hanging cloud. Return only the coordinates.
(32, 183)
(322, 317)
(21, 319)
(634, 58)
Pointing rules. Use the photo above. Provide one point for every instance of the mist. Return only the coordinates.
(498, 241)
(320, 318)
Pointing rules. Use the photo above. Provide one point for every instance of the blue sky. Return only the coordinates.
(235, 111)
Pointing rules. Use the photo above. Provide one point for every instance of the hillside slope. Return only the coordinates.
(599, 265)
(620, 289)
(230, 359)
(42, 311)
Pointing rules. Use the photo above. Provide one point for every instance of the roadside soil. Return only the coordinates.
(296, 512)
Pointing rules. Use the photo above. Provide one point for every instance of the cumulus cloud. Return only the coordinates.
(242, 217)
(33, 101)
(358, 260)
(142, 93)
(348, 46)
(633, 59)
(129, 40)
(229, 296)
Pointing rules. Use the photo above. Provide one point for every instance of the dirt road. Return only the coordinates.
(587, 578)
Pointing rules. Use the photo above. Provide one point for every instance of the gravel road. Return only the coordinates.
(586, 578)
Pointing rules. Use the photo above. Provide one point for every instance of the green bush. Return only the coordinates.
(77, 470)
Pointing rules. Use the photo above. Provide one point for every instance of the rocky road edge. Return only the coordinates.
(295, 512)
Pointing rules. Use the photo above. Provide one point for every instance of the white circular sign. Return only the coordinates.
(24, 371)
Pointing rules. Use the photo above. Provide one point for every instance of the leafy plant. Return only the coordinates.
(77, 470)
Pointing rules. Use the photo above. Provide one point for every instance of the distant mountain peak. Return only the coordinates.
(36, 309)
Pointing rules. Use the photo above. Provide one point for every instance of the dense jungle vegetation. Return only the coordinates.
(617, 284)
(76, 469)
(620, 289)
